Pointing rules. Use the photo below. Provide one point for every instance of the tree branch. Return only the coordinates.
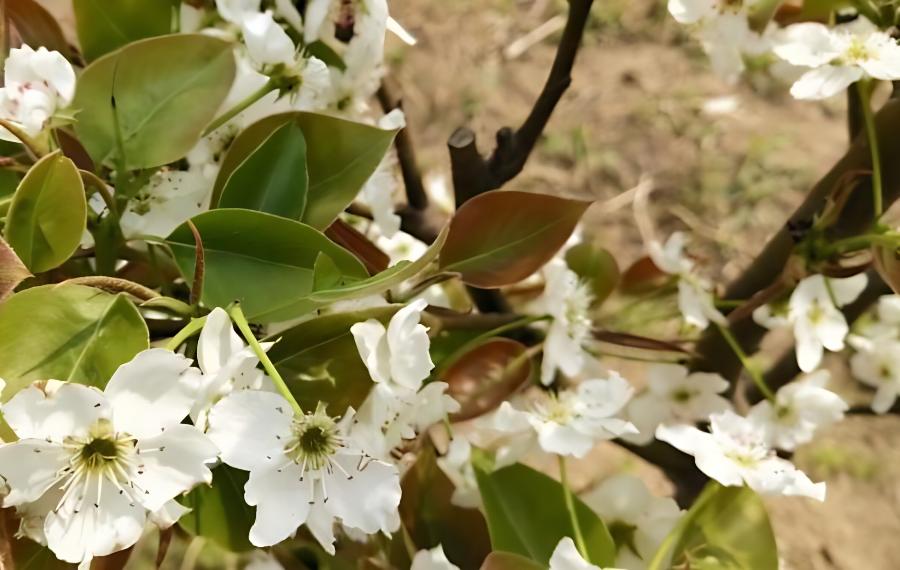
(713, 354)
(475, 174)
(389, 97)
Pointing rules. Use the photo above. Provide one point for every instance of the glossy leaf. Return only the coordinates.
(509, 561)
(532, 528)
(12, 270)
(501, 237)
(596, 266)
(67, 332)
(727, 528)
(432, 519)
(158, 94)
(273, 178)
(351, 239)
(106, 25)
(319, 361)
(37, 27)
(341, 156)
(481, 379)
(266, 262)
(48, 213)
(219, 512)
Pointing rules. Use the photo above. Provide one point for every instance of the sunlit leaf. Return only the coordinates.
(67, 332)
(273, 178)
(106, 25)
(152, 98)
(48, 214)
(526, 515)
(341, 156)
(266, 262)
(501, 237)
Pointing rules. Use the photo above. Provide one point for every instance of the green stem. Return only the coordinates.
(234, 111)
(865, 241)
(872, 136)
(187, 332)
(100, 186)
(31, 144)
(745, 361)
(237, 315)
(570, 507)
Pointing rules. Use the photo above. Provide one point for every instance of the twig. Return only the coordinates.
(416, 196)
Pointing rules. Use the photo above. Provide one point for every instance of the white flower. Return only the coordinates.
(457, 466)
(886, 323)
(101, 463)
(433, 559)
(634, 515)
(813, 310)
(695, 299)
(734, 453)
(566, 557)
(399, 353)
(877, 363)
(234, 11)
(568, 423)
(568, 301)
(674, 396)
(838, 56)
(227, 364)
(303, 469)
(168, 200)
(267, 42)
(378, 191)
(37, 83)
(799, 409)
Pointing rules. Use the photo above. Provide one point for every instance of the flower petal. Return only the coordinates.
(29, 467)
(826, 81)
(250, 428)
(282, 497)
(55, 410)
(153, 392)
(566, 557)
(363, 493)
(217, 342)
(409, 343)
(371, 342)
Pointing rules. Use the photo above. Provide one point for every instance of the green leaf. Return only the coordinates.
(526, 515)
(264, 261)
(273, 178)
(341, 156)
(727, 528)
(501, 237)
(509, 561)
(595, 265)
(48, 213)
(67, 332)
(319, 362)
(151, 100)
(219, 512)
(106, 25)
(432, 519)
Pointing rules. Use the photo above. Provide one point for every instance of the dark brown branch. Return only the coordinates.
(389, 97)
(714, 354)
(472, 174)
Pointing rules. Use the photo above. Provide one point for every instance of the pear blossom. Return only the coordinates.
(734, 452)
(433, 559)
(170, 198)
(568, 423)
(877, 364)
(695, 299)
(799, 410)
(638, 520)
(457, 466)
(267, 42)
(304, 469)
(227, 363)
(567, 300)
(398, 360)
(378, 191)
(674, 395)
(813, 312)
(724, 32)
(91, 467)
(838, 56)
(234, 11)
(37, 83)
(886, 321)
(566, 557)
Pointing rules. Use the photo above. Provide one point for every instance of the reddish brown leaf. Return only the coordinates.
(642, 276)
(37, 27)
(501, 237)
(482, 378)
(637, 341)
(888, 266)
(349, 238)
(12, 270)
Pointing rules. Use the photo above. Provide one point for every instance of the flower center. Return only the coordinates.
(857, 51)
(316, 439)
(682, 395)
(101, 450)
(98, 452)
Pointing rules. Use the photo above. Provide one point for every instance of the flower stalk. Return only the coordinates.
(267, 87)
(865, 101)
(745, 361)
(570, 507)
